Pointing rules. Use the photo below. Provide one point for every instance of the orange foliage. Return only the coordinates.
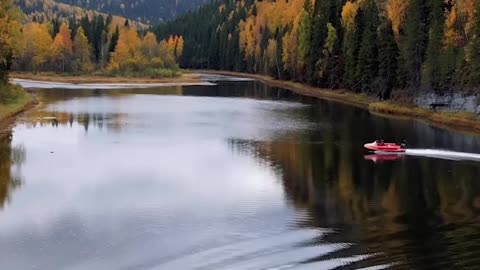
(278, 14)
(459, 22)
(467, 10)
(451, 35)
(134, 54)
(396, 11)
(349, 12)
(127, 49)
(66, 37)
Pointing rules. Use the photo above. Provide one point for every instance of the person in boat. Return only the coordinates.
(380, 142)
(402, 145)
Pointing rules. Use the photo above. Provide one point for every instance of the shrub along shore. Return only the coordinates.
(14, 101)
(455, 120)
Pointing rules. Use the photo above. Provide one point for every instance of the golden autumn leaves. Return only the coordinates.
(270, 16)
(135, 54)
(39, 52)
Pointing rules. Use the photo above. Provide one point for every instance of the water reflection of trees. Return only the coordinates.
(415, 211)
(111, 121)
(10, 158)
(418, 212)
(55, 95)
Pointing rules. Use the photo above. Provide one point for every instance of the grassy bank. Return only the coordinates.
(17, 101)
(457, 120)
(68, 78)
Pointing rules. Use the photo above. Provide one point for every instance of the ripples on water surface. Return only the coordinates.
(234, 176)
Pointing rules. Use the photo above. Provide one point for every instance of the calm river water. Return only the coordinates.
(233, 176)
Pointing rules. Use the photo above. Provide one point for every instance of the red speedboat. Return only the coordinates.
(385, 147)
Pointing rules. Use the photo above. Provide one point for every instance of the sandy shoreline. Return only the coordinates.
(91, 79)
(37, 84)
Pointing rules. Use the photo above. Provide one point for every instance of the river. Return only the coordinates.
(235, 175)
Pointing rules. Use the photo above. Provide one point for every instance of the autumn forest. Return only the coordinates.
(382, 48)
(93, 46)
(368, 46)
(95, 43)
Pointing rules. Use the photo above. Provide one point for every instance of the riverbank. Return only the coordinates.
(21, 103)
(456, 120)
(61, 78)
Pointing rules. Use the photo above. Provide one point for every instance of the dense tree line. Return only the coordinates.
(369, 46)
(89, 44)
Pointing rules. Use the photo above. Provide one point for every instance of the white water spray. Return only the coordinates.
(443, 154)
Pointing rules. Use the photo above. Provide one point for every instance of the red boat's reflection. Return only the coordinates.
(377, 158)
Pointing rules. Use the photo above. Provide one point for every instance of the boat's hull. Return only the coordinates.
(386, 147)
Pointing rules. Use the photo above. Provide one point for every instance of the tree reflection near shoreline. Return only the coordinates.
(390, 208)
(11, 159)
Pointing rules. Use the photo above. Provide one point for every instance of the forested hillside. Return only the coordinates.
(147, 11)
(369, 46)
(49, 10)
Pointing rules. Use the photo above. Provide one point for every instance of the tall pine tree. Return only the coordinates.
(414, 43)
(387, 60)
(367, 65)
(432, 77)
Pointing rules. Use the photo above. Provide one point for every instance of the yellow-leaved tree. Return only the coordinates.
(248, 38)
(349, 12)
(127, 54)
(166, 52)
(81, 52)
(35, 55)
(10, 36)
(150, 46)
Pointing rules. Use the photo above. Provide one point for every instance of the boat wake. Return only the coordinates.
(443, 154)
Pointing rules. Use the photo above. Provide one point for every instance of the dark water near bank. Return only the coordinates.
(235, 176)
